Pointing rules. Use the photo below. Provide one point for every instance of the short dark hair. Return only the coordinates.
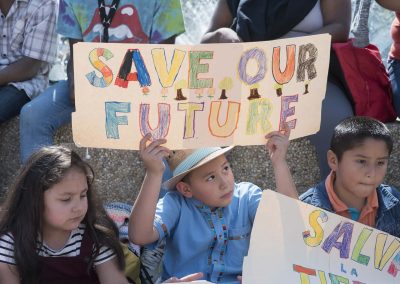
(353, 131)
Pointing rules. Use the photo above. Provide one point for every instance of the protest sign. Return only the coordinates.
(198, 95)
(293, 242)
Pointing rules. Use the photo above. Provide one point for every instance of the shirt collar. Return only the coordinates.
(338, 205)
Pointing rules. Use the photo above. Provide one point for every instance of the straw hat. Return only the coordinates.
(182, 162)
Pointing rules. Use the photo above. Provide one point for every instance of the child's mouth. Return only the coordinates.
(227, 195)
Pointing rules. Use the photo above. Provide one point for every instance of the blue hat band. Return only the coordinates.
(194, 159)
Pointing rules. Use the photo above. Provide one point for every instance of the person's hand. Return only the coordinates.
(277, 145)
(188, 278)
(153, 153)
(222, 35)
(239, 278)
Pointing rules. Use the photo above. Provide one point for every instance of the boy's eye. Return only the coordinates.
(227, 167)
(66, 199)
(362, 162)
(210, 178)
(83, 195)
(381, 163)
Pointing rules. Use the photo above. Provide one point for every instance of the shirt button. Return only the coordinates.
(4, 55)
(4, 35)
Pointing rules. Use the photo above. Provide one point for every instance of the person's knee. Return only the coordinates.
(28, 114)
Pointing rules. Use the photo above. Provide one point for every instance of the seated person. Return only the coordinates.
(53, 228)
(358, 158)
(127, 21)
(260, 20)
(28, 46)
(394, 55)
(208, 219)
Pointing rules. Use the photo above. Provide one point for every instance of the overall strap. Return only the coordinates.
(106, 19)
(70, 269)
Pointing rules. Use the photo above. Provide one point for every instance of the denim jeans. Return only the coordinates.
(40, 118)
(11, 102)
(394, 75)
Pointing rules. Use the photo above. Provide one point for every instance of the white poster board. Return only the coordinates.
(293, 242)
(198, 95)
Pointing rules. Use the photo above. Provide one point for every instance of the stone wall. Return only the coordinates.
(119, 172)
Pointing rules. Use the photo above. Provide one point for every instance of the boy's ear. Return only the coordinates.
(184, 189)
(333, 161)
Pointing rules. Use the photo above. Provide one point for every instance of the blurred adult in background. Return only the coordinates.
(394, 55)
(259, 20)
(127, 21)
(28, 44)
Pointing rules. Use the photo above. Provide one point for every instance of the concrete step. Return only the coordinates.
(119, 173)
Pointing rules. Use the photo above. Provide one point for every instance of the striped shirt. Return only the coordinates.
(28, 30)
(72, 248)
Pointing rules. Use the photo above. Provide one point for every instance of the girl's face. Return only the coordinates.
(65, 203)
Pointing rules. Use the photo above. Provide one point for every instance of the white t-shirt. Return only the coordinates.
(72, 248)
(312, 22)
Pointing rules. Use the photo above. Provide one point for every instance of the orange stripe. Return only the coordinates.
(305, 270)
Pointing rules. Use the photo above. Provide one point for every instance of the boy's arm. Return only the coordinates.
(141, 230)
(277, 146)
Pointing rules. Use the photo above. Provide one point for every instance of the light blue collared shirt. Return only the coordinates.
(199, 240)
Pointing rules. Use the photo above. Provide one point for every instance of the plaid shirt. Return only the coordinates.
(28, 30)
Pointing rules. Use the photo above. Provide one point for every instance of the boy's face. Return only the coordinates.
(211, 183)
(360, 170)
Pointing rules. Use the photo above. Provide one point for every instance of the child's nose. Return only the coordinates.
(371, 171)
(78, 206)
(224, 182)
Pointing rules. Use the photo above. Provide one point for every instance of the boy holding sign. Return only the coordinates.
(358, 158)
(207, 220)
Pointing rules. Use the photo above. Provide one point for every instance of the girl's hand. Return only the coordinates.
(153, 153)
(188, 278)
(277, 145)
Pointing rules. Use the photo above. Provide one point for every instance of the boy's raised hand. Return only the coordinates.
(152, 154)
(277, 145)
